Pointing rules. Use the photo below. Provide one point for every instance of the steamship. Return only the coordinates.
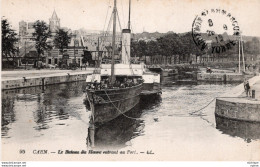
(107, 103)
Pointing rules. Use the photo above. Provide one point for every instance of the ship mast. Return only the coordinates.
(112, 80)
(129, 23)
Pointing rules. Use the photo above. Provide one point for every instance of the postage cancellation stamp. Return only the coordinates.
(215, 25)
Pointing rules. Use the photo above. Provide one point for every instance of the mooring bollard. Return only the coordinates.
(253, 94)
(43, 81)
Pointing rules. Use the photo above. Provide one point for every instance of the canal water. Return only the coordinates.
(173, 126)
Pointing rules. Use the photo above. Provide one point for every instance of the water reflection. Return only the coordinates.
(247, 130)
(119, 132)
(7, 114)
(38, 107)
(57, 116)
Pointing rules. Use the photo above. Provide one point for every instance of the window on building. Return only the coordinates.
(49, 61)
(55, 61)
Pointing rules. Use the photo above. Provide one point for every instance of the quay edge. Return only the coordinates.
(43, 80)
(220, 77)
(233, 105)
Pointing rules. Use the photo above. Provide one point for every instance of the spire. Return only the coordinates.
(54, 15)
(54, 24)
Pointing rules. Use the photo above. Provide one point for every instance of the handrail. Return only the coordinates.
(115, 89)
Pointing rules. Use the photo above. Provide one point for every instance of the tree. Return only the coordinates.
(41, 35)
(8, 41)
(152, 49)
(170, 45)
(252, 47)
(142, 49)
(189, 47)
(134, 48)
(62, 40)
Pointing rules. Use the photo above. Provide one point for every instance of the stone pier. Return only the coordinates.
(22, 79)
(220, 77)
(235, 105)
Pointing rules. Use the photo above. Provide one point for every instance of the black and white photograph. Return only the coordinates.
(130, 80)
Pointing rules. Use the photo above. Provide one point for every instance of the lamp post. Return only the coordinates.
(242, 51)
(98, 53)
(25, 55)
(76, 43)
(74, 53)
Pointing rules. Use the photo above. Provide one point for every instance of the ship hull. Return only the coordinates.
(151, 89)
(108, 104)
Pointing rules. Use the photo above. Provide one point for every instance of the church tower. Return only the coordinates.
(54, 23)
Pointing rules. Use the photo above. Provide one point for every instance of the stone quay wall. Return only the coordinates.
(41, 81)
(220, 77)
(238, 110)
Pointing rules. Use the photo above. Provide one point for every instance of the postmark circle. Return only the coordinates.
(215, 30)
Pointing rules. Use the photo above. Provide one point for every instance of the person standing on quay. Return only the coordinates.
(245, 84)
(247, 88)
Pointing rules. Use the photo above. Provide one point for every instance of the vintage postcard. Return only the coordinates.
(130, 80)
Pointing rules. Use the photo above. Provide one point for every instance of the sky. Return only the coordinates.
(146, 15)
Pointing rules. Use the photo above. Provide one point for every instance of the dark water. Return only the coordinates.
(57, 118)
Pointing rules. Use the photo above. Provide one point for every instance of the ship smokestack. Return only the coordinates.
(126, 41)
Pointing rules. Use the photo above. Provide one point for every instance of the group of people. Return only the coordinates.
(247, 66)
(105, 83)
